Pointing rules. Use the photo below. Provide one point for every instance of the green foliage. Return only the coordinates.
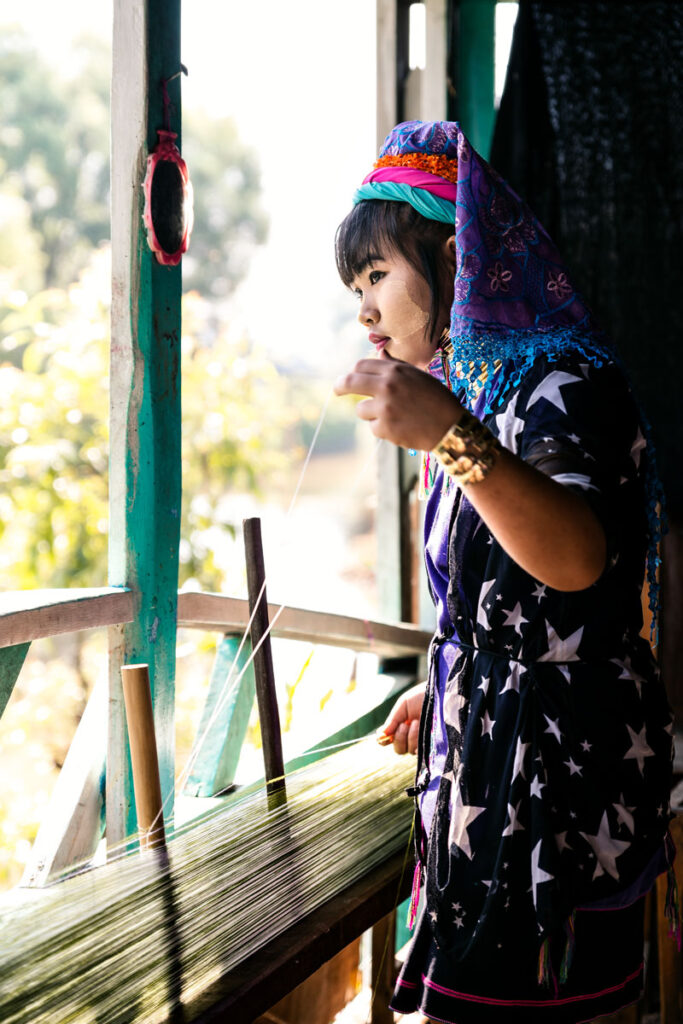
(53, 435)
(237, 425)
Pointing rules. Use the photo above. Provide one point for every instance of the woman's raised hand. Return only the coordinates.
(402, 727)
(404, 405)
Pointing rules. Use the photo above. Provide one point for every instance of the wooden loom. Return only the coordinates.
(240, 987)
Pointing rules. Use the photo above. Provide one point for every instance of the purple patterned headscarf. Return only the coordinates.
(513, 296)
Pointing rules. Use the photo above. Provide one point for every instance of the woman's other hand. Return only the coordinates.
(403, 724)
(404, 405)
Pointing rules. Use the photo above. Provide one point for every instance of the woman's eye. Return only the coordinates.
(375, 276)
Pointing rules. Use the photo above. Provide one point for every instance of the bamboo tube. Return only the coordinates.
(137, 697)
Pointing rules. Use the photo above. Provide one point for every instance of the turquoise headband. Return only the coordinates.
(430, 206)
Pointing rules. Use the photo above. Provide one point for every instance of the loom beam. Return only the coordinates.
(273, 971)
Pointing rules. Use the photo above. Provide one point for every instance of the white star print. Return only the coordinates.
(628, 672)
(554, 728)
(509, 425)
(549, 388)
(637, 447)
(482, 617)
(585, 745)
(639, 749)
(462, 817)
(538, 875)
(518, 767)
(514, 826)
(456, 906)
(561, 649)
(539, 592)
(606, 849)
(536, 787)
(458, 922)
(561, 840)
(574, 438)
(574, 769)
(487, 725)
(515, 618)
(452, 705)
(484, 684)
(513, 679)
(624, 815)
(579, 479)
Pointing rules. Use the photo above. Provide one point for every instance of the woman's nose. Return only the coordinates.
(367, 315)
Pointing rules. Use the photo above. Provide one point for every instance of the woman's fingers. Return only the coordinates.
(404, 405)
(401, 738)
(406, 737)
(399, 714)
(402, 727)
(358, 382)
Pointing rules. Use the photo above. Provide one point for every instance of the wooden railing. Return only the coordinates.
(72, 830)
(34, 614)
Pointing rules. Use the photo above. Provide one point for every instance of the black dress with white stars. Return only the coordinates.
(544, 768)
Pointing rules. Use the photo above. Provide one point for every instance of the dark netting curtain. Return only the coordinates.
(590, 133)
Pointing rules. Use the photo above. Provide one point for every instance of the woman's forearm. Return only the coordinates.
(550, 531)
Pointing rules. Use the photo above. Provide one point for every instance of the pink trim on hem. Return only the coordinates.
(529, 1002)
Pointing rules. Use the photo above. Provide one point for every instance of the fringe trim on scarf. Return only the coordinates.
(546, 972)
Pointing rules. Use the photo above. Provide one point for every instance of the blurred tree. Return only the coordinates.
(55, 143)
(229, 220)
(238, 425)
(54, 154)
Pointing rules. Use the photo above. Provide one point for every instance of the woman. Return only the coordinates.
(543, 735)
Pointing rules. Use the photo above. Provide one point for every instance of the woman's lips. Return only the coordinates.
(378, 340)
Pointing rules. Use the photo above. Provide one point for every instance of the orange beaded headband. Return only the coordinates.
(438, 164)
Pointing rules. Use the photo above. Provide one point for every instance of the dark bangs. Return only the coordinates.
(380, 228)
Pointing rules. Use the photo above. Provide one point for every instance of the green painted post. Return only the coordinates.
(476, 81)
(145, 386)
(11, 661)
(224, 721)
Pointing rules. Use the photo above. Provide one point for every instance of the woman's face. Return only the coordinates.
(395, 301)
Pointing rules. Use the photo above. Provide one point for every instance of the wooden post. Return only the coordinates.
(145, 468)
(475, 76)
(383, 969)
(143, 751)
(668, 955)
(269, 715)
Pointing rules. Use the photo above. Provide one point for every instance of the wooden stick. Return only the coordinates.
(143, 754)
(269, 714)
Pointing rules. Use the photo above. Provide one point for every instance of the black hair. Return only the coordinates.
(377, 228)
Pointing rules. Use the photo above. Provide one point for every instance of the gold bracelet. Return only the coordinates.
(468, 450)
